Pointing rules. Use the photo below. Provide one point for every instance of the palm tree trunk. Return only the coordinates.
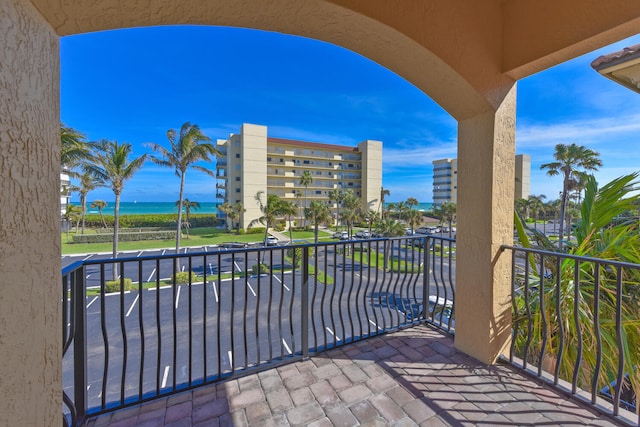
(116, 227)
(290, 231)
(563, 205)
(104, 223)
(83, 200)
(316, 233)
(178, 231)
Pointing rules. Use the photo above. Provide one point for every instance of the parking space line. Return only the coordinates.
(210, 269)
(151, 275)
(237, 266)
(164, 251)
(205, 249)
(283, 285)
(178, 296)
(230, 354)
(165, 376)
(373, 323)
(331, 332)
(87, 257)
(132, 305)
(88, 275)
(215, 291)
(92, 301)
(182, 270)
(286, 346)
(139, 254)
(251, 289)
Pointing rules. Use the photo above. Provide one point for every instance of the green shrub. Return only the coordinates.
(114, 285)
(258, 230)
(152, 220)
(298, 255)
(124, 236)
(259, 269)
(182, 278)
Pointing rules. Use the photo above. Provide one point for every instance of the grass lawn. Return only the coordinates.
(374, 259)
(197, 237)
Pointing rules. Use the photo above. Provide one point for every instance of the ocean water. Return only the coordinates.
(133, 208)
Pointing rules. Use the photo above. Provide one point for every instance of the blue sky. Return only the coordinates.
(133, 85)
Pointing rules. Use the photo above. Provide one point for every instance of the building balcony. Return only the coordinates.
(372, 344)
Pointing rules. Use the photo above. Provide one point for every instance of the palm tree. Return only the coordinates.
(306, 180)
(74, 147)
(383, 192)
(337, 195)
(112, 166)
(389, 228)
(568, 313)
(270, 209)
(536, 205)
(448, 214)
(100, 204)
(318, 213)
(414, 218)
(188, 205)
(571, 161)
(289, 209)
(188, 147)
(351, 209)
(234, 215)
(411, 202)
(87, 183)
(71, 215)
(371, 217)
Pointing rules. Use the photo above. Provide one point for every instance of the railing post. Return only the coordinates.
(305, 302)
(79, 343)
(425, 277)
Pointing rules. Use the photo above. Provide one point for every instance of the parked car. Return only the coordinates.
(271, 241)
(342, 235)
(233, 245)
(363, 234)
(425, 230)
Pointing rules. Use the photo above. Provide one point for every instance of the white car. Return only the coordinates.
(342, 235)
(363, 234)
(271, 241)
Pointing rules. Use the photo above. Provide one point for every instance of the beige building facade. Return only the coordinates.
(466, 55)
(252, 162)
(445, 179)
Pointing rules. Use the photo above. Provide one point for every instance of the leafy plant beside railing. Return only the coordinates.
(572, 308)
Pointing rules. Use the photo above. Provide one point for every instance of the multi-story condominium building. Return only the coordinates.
(253, 162)
(445, 179)
(65, 194)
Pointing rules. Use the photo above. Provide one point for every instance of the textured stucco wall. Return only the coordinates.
(30, 363)
(486, 152)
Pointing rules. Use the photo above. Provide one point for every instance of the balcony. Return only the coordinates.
(344, 333)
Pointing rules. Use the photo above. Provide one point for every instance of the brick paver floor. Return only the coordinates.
(408, 378)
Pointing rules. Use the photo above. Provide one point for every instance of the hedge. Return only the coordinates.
(152, 220)
(124, 237)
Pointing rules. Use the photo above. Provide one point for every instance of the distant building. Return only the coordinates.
(252, 162)
(445, 179)
(523, 177)
(65, 195)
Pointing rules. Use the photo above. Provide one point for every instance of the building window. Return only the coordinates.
(238, 178)
(318, 191)
(281, 160)
(237, 155)
(306, 162)
(237, 167)
(237, 190)
(268, 159)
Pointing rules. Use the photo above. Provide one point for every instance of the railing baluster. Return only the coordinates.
(105, 339)
(304, 303)
(525, 358)
(620, 373)
(141, 329)
(245, 303)
(281, 336)
(596, 324)
(543, 311)
(204, 318)
(426, 283)
(270, 305)
(576, 319)
(158, 331)
(190, 311)
(515, 310)
(352, 248)
(79, 332)
(233, 310)
(556, 374)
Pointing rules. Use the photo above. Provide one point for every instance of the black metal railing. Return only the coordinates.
(576, 324)
(140, 328)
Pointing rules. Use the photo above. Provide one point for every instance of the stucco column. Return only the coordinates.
(30, 292)
(486, 150)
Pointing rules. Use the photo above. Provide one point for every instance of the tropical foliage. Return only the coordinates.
(113, 167)
(571, 162)
(317, 213)
(187, 147)
(573, 302)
